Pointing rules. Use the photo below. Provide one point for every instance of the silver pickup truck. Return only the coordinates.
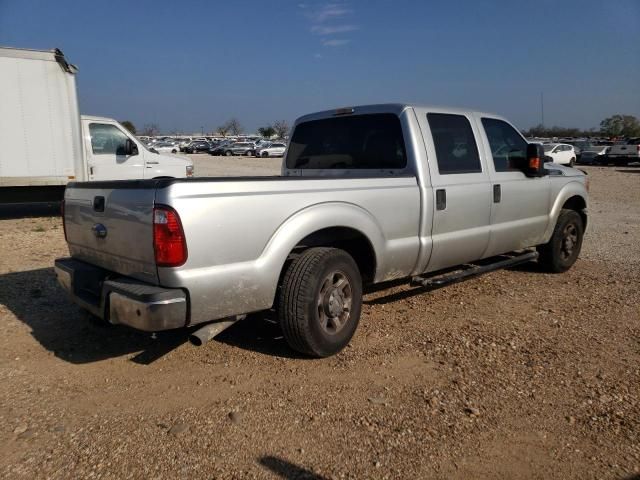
(366, 195)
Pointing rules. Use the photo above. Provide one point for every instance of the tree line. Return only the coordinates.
(614, 126)
(233, 127)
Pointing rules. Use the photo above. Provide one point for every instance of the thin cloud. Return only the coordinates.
(328, 21)
(332, 30)
(329, 11)
(335, 42)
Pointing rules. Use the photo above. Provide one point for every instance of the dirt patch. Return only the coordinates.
(516, 374)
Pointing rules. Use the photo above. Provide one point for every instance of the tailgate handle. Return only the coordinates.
(98, 204)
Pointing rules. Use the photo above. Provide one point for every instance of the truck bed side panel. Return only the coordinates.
(240, 233)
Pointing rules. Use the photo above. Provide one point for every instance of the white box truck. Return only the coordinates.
(45, 143)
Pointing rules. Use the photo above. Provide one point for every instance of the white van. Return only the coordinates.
(44, 143)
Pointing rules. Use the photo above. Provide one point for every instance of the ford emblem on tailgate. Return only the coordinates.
(99, 230)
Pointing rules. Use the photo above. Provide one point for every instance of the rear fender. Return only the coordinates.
(312, 219)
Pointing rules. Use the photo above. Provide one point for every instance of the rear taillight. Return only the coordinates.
(64, 223)
(169, 243)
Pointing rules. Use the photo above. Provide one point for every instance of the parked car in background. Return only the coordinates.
(166, 147)
(184, 142)
(239, 148)
(594, 155)
(560, 153)
(623, 153)
(197, 147)
(219, 148)
(276, 149)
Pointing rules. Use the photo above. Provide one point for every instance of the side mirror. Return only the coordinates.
(130, 148)
(534, 166)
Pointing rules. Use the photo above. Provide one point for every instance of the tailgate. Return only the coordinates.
(110, 224)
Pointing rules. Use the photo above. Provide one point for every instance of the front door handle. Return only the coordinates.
(441, 199)
(497, 193)
(153, 163)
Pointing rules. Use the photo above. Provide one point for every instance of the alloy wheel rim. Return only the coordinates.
(334, 302)
(569, 241)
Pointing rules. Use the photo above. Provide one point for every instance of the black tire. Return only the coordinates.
(228, 153)
(265, 154)
(247, 153)
(318, 312)
(572, 162)
(562, 250)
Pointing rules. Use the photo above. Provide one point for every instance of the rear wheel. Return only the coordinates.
(265, 154)
(319, 301)
(562, 250)
(228, 153)
(572, 162)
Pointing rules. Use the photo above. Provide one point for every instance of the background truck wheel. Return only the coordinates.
(564, 247)
(319, 301)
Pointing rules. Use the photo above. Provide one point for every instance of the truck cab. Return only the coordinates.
(113, 153)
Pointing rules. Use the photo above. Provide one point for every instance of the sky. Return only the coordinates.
(192, 65)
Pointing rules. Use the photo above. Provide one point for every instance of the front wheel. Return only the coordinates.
(562, 250)
(265, 154)
(228, 153)
(572, 162)
(319, 301)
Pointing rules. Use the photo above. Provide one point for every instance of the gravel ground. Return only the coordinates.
(208, 166)
(516, 374)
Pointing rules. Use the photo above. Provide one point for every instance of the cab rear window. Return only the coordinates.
(354, 142)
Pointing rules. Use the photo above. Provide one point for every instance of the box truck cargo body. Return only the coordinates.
(40, 132)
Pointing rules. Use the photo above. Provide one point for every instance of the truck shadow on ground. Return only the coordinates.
(284, 469)
(260, 333)
(61, 327)
(395, 295)
(64, 329)
(8, 212)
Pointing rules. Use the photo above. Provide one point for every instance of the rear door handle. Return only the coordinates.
(441, 199)
(497, 193)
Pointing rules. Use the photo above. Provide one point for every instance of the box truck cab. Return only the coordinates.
(113, 153)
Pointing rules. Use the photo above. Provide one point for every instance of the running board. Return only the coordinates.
(443, 280)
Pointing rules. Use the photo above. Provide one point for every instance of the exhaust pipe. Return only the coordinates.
(210, 330)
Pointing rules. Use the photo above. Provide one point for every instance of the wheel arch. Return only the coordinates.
(573, 196)
(333, 224)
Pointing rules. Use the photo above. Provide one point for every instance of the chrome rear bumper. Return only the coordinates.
(122, 300)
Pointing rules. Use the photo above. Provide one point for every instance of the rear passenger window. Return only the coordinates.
(456, 149)
(372, 141)
(508, 148)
